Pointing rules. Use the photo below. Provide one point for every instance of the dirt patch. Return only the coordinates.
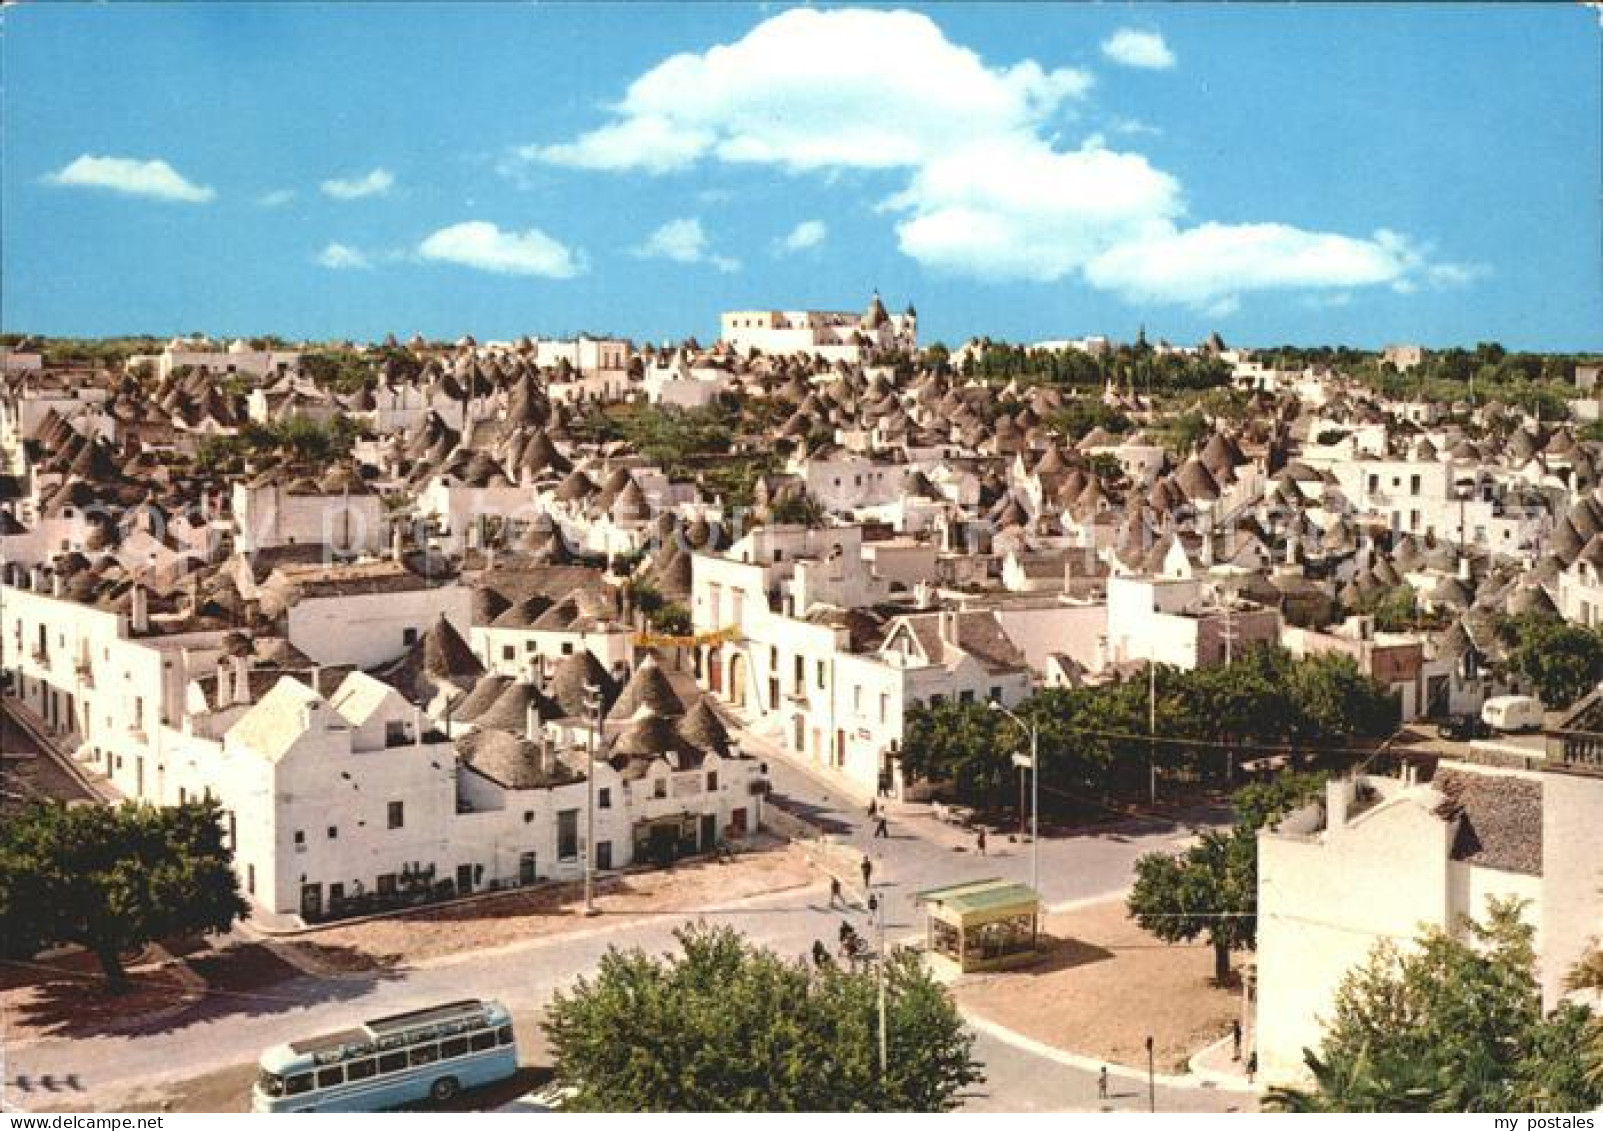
(1103, 986)
(687, 887)
(68, 997)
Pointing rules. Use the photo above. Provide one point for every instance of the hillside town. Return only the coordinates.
(430, 621)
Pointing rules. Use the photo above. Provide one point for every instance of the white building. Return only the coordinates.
(1379, 859)
(830, 334)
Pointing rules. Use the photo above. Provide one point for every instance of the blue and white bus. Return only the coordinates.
(426, 1054)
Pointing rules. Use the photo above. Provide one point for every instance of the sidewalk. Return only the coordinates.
(34, 727)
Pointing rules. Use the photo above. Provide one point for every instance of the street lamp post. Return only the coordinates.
(1034, 731)
(592, 701)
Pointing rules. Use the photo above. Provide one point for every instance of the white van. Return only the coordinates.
(1512, 714)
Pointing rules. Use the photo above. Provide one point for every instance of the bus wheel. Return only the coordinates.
(444, 1088)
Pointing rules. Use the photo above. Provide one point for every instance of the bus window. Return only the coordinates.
(483, 1041)
(274, 1085)
(425, 1054)
(504, 1034)
(298, 1084)
(360, 1070)
(456, 1046)
(330, 1077)
(392, 1062)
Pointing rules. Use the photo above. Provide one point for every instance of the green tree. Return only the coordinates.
(1333, 700)
(960, 743)
(1564, 661)
(725, 1026)
(112, 879)
(1452, 1024)
(1211, 889)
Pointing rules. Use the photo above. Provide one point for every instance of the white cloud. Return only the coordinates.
(810, 90)
(1200, 266)
(340, 257)
(1130, 47)
(377, 183)
(277, 198)
(990, 190)
(1018, 209)
(804, 236)
(683, 241)
(155, 179)
(482, 245)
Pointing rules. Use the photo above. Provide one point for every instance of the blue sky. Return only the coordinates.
(1309, 174)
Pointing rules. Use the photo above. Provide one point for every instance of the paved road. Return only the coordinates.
(231, 1030)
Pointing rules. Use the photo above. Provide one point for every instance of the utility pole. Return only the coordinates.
(1152, 732)
(1152, 1080)
(592, 700)
(877, 909)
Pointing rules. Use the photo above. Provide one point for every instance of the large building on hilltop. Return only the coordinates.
(831, 334)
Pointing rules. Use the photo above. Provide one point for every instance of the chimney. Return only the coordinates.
(242, 680)
(36, 579)
(1339, 794)
(417, 726)
(1291, 549)
(531, 724)
(1463, 567)
(57, 584)
(225, 694)
(139, 610)
(395, 542)
(949, 626)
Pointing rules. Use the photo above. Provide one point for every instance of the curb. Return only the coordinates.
(1090, 1063)
(1219, 1079)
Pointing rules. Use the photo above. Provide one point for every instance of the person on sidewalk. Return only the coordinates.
(882, 828)
(1252, 1065)
(868, 873)
(873, 808)
(835, 895)
(1235, 1041)
(1102, 1083)
(979, 841)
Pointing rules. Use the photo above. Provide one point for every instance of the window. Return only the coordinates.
(509, 652)
(300, 840)
(333, 832)
(408, 636)
(386, 884)
(821, 670)
(392, 1062)
(298, 1084)
(604, 855)
(397, 814)
(360, 1070)
(799, 675)
(250, 878)
(857, 699)
(568, 834)
(503, 1035)
(330, 1077)
(884, 706)
(456, 1046)
(712, 780)
(996, 694)
(604, 798)
(659, 788)
(965, 696)
(1413, 484)
(483, 1041)
(423, 1054)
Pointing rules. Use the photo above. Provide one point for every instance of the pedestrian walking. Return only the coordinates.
(846, 933)
(1102, 1083)
(835, 895)
(868, 872)
(820, 954)
(873, 808)
(979, 841)
(1252, 1065)
(1235, 1040)
(882, 828)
